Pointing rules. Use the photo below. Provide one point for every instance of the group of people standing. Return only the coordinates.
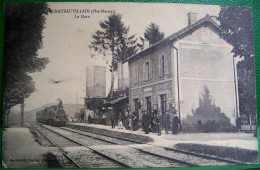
(121, 119)
(150, 122)
(155, 121)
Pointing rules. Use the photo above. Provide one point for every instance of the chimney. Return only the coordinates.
(192, 18)
(146, 44)
(214, 18)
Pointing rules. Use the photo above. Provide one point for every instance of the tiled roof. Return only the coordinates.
(207, 20)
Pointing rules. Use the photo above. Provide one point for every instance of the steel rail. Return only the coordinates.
(206, 156)
(129, 140)
(146, 152)
(166, 148)
(114, 160)
(63, 152)
(101, 135)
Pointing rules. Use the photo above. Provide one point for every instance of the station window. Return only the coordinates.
(136, 105)
(163, 100)
(147, 73)
(163, 65)
(135, 74)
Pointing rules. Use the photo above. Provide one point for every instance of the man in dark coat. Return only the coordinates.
(145, 122)
(167, 122)
(113, 120)
(175, 124)
(89, 119)
(135, 121)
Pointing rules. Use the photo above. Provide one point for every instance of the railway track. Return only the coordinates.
(122, 154)
(77, 154)
(118, 140)
(133, 154)
(193, 159)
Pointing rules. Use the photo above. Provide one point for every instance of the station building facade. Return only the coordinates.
(172, 73)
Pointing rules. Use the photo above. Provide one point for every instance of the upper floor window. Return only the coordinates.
(147, 73)
(163, 65)
(135, 74)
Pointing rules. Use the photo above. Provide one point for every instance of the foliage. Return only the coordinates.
(246, 87)
(95, 104)
(232, 153)
(112, 40)
(153, 34)
(237, 26)
(24, 23)
(210, 116)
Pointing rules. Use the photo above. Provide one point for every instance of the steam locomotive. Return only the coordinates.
(53, 115)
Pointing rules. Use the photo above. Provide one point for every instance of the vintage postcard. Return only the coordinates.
(128, 85)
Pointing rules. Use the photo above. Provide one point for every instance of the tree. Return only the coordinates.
(209, 115)
(112, 40)
(246, 87)
(24, 23)
(153, 34)
(237, 26)
(95, 104)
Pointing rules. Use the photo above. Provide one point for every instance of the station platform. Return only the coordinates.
(169, 140)
(20, 150)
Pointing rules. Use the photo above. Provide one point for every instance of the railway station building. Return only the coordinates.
(173, 73)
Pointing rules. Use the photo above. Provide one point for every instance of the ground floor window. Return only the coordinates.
(163, 102)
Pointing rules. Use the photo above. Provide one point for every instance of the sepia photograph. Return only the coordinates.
(128, 85)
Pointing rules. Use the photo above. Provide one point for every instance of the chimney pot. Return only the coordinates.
(192, 18)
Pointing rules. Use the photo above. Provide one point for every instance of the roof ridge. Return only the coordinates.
(175, 35)
(206, 18)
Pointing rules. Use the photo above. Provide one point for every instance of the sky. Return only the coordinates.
(67, 38)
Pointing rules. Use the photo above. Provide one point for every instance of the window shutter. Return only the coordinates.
(167, 101)
(151, 102)
(150, 69)
(145, 104)
(133, 74)
(166, 60)
(159, 102)
(160, 66)
(136, 72)
(144, 72)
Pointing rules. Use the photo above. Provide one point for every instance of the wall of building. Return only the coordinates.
(205, 60)
(156, 85)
